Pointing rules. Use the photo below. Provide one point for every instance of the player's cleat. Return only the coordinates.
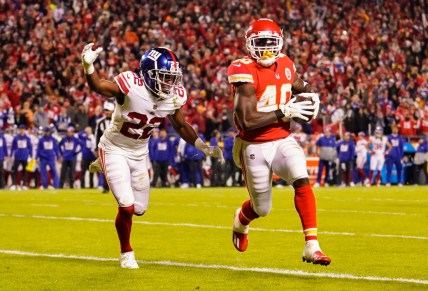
(316, 185)
(127, 261)
(240, 233)
(95, 166)
(312, 254)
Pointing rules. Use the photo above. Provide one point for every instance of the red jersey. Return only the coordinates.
(273, 87)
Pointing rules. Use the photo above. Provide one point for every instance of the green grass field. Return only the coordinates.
(66, 240)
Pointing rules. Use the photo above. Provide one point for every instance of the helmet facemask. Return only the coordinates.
(164, 82)
(264, 47)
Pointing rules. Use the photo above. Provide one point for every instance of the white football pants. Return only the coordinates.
(260, 160)
(128, 180)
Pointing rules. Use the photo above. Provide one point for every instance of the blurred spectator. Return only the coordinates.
(326, 150)
(87, 144)
(81, 118)
(346, 152)
(378, 145)
(21, 152)
(69, 147)
(193, 158)
(361, 152)
(394, 156)
(47, 154)
(41, 119)
(3, 156)
(62, 121)
(162, 156)
(420, 162)
(230, 168)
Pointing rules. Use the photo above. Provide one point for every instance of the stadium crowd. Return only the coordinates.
(368, 59)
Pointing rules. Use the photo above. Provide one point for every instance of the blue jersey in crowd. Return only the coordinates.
(346, 151)
(423, 147)
(326, 141)
(3, 147)
(228, 148)
(87, 144)
(47, 148)
(21, 148)
(162, 150)
(69, 147)
(152, 143)
(397, 143)
(192, 153)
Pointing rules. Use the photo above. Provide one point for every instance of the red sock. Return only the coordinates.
(123, 227)
(370, 176)
(304, 201)
(362, 175)
(247, 213)
(378, 177)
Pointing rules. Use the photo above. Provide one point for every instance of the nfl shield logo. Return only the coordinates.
(288, 73)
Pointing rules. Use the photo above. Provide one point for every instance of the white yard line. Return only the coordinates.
(225, 267)
(44, 205)
(71, 218)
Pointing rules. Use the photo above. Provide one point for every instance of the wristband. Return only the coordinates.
(90, 69)
(279, 114)
(199, 144)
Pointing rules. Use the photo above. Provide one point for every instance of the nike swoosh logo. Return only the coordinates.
(237, 65)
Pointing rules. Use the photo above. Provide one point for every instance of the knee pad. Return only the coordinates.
(139, 209)
(262, 210)
(140, 182)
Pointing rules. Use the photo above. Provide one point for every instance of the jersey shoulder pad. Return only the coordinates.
(239, 71)
(125, 80)
(287, 62)
(174, 102)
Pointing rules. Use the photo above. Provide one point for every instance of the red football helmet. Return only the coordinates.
(264, 41)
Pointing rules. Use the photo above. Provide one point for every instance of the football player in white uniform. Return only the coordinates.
(143, 100)
(361, 152)
(379, 148)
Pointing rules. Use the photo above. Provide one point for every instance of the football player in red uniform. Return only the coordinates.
(262, 84)
(143, 101)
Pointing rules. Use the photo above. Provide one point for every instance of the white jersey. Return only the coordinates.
(34, 143)
(361, 147)
(378, 145)
(133, 122)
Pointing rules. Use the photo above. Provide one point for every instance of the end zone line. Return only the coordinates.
(72, 218)
(224, 267)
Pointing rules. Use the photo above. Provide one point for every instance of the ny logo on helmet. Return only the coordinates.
(154, 55)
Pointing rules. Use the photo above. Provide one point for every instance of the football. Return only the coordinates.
(301, 99)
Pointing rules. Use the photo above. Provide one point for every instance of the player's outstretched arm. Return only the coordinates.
(101, 86)
(186, 132)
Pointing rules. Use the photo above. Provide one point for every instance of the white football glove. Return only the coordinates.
(212, 151)
(295, 109)
(89, 56)
(316, 98)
